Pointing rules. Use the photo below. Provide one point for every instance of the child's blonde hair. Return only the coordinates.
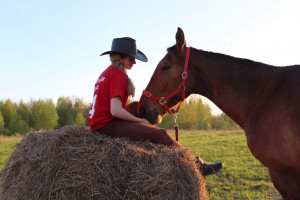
(116, 60)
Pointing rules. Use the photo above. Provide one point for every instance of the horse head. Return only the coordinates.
(166, 79)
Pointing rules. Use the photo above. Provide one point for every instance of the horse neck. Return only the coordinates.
(235, 85)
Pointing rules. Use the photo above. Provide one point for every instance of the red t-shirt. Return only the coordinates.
(111, 83)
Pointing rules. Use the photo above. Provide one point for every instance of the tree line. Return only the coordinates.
(195, 114)
(21, 118)
(41, 114)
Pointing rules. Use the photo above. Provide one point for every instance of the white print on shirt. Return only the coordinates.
(96, 88)
(100, 79)
(92, 111)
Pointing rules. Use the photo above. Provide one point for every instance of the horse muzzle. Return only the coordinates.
(153, 117)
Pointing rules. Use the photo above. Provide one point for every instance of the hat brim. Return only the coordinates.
(140, 56)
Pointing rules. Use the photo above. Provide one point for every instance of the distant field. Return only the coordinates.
(7, 146)
(242, 177)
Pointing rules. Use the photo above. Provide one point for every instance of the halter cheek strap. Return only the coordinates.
(164, 100)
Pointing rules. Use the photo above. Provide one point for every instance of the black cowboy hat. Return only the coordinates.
(126, 46)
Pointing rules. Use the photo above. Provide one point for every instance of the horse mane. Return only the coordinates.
(224, 57)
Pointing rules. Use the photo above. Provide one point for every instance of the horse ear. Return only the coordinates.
(180, 40)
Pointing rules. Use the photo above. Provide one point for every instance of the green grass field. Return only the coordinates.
(242, 177)
(7, 146)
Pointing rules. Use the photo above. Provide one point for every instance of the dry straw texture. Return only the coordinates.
(73, 163)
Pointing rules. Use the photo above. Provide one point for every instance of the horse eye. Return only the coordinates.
(165, 67)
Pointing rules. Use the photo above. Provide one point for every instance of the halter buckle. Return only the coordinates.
(162, 101)
(184, 75)
(147, 94)
(181, 87)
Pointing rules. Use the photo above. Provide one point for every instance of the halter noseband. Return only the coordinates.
(164, 100)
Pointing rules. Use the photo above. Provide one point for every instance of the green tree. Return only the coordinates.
(23, 127)
(71, 111)
(194, 114)
(8, 112)
(187, 117)
(17, 125)
(79, 104)
(228, 122)
(83, 108)
(79, 120)
(13, 125)
(167, 122)
(25, 114)
(222, 121)
(204, 115)
(44, 115)
(1, 121)
(3, 130)
(1, 105)
(86, 110)
(63, 108)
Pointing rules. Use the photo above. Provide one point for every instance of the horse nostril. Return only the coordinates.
(142, 111)
(155, 113)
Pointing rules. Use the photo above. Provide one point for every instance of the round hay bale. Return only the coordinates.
(74, 163)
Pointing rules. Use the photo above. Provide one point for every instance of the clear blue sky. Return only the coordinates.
(50, 49)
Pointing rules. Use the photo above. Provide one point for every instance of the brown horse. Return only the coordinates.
(264, 100)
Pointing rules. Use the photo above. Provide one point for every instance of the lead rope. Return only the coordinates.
(175, 126)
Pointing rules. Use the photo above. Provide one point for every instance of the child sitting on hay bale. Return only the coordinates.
(108, 114)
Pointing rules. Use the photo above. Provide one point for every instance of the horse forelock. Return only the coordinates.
(172, 48)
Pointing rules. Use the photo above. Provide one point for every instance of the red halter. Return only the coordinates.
(181, 88)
